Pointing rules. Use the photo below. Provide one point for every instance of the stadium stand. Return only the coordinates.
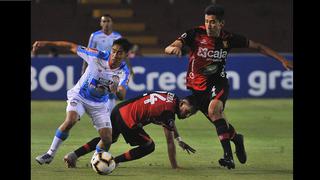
(153, 24)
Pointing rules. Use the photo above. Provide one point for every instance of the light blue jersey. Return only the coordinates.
(99, 40)
(94, 83)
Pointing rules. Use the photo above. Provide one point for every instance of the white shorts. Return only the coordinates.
(98, 112)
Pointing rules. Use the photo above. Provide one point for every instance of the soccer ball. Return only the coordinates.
(103, 163)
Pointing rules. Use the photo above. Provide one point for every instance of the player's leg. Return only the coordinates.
(106, 139)
(136, 137)
(101, 120)
(75, 110)
(216, 115)
(71, 158)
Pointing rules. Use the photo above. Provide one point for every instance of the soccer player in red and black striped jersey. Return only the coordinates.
(129, 117)
(206, 77)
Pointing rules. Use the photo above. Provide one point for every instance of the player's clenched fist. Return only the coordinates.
(36, 45)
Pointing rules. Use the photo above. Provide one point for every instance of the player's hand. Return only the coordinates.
(113, 88)
(37, 45)
(186, 147)
(176, 51)
(287, 64)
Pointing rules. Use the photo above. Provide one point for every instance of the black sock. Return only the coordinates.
(88, 147)
(135, 153)
(232, 132)
(224, 136)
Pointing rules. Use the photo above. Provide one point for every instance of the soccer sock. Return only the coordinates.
(57, 141)
(232, 132)
(135, 153)
(224, 136)
(88, 147)
(99, 149)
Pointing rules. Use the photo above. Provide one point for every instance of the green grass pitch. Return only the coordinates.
(267, 125)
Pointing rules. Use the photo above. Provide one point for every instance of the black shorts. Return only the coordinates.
(133, 136)
(218, 89)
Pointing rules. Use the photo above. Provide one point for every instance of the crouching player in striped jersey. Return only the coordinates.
(129, 117)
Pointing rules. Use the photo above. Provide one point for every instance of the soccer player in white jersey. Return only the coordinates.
(106, 73)
(102, 39)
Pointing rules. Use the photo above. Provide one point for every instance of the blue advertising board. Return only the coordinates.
(250, 76)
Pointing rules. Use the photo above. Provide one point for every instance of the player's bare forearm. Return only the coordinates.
(171, 148)
(174, 48)
(65, 44)
(269, 52)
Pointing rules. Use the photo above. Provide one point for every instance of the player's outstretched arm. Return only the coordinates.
(174, 48)
(171, 148)
(268, 51)
(65, 44)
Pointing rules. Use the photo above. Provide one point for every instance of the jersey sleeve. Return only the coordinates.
(238, 41)
(168, 118)
(86, 53)
(187, 38)
(124, 80)
(91, 43)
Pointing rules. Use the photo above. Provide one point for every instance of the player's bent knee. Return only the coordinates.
(149, 147)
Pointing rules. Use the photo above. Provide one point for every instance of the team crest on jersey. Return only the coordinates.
(225, 44)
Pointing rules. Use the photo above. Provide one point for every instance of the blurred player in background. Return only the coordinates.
(102, 39)
(106, 73)
(207, 79)
(129, 117)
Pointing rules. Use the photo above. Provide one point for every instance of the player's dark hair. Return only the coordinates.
(107, 15)
(191, 101)
(215, 9)
(124, 43)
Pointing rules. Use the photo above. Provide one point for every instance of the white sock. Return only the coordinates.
(54, 146)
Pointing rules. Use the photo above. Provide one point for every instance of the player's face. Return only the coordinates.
(185, 109)
(117, 53)
(213, 25)
(106, 23)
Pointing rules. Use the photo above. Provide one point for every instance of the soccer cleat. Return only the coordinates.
(45, 158)
(240, 151)
(225, 162)
(71, 160)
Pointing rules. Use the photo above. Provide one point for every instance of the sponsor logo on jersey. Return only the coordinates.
(217, 55)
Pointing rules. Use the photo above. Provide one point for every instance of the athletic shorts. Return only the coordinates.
(98, 112)
(133, 136)
(217, 90)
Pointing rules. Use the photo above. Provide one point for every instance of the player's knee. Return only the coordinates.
(149, 147)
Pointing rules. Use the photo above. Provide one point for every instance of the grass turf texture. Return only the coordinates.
(267, 126)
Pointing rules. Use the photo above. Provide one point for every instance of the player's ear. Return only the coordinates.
(222, 23)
